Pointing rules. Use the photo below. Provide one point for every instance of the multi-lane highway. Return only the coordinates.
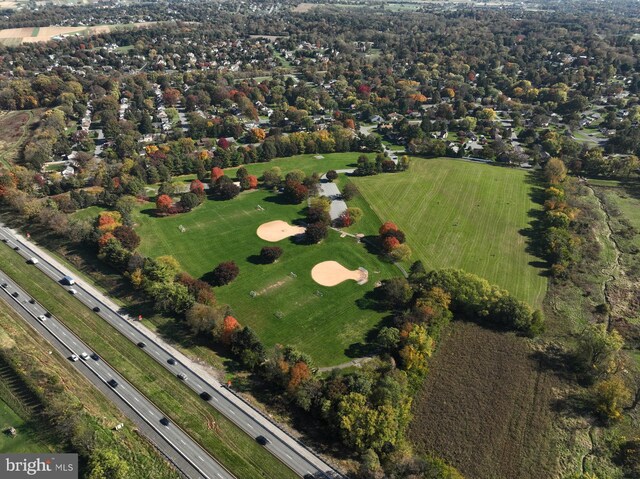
(282, 445)
(174, 443)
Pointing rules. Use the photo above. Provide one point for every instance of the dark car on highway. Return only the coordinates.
(263, 441)
(164, 421)
(113, 383)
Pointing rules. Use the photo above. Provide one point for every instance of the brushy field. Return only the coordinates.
(486, 407)
(14, 129)
(458, 214)
(325, 322)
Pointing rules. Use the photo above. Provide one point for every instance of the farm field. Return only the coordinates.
(16, 36)
(459, 214)
(287, 309)
(486, 407)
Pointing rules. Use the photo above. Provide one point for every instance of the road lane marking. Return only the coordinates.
(201, 458)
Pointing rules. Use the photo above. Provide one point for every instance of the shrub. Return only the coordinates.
(163, 203)
(295, 192)
(188, 201)
(317, 214)
(349, 191)
(332, 175)
(386, 227)
(128, 238)
(401, 252)
(270, 254)
(224, 273)
(224, 189)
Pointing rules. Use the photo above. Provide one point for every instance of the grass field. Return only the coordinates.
(232, 447)
(27, 438)
(307, 163)
(324, 325)
(458, 214)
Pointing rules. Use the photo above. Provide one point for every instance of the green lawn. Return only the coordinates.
(89, 213)
(323, 325)
(228, 444)
(307, 163)
(465, 215)
(27, 437)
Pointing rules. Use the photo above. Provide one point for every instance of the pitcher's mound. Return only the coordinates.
(331, 273)
(278, 230)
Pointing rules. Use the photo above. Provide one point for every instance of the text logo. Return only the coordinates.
(44, 466)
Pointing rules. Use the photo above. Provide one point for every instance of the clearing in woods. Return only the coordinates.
(14, 126)
(458, 214)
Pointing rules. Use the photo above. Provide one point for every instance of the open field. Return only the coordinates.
(286, 309)
(14, 129)
(12, 36)
(486, 407)
(236, 450)
(458, 214)
(307, 163)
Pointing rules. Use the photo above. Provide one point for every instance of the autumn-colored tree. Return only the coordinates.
(223, 143)
(298, 374)
(171, 96)
(216, 173)
(386, 227)
(555, 171)
(258, 134)
(197, 188)
(390, 243)
(163, 203)
(104, 239)
(253, 181)
(229, 325)
(224, 273)
(349, 123)
(128, 238)
(109, 221)
(345, 219)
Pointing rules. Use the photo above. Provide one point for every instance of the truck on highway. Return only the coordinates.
(68, 280)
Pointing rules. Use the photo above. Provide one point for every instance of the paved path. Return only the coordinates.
(331, 191)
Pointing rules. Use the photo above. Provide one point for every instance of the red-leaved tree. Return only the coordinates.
(197, 188)
(229, 325)
(216, 173)
(253, 181)
(386, 227)
(390, 243)
(163, 203)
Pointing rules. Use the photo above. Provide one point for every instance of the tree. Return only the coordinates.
(394, 293)
(128, 238)
(253, 182)
(597, 350)
(270, 254)
(224, 273)
(355, 214)
(196, 187)
(229, 327)
(215, 174)
(272, 177)
(170, 298)
(609, 397)
(332, 175)
(225, 189)
(386, 227)
(555, 171)
(349, 191)
(202, 318)
(317, 213)
(295, 192)
(298, 374)
(316, 232)
(401, 252)
(188, 201)
(163, 204)
(389, 243)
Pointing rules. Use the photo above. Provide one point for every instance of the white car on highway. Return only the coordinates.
(42, 317)
(84, 355)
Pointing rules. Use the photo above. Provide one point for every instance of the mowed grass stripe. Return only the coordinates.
(465, 215)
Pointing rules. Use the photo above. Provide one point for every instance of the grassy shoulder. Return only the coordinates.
(18, 339)
(228, 444)
(458, 214)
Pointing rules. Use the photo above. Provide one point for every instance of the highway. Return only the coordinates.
(282, 445)
(173, 442)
